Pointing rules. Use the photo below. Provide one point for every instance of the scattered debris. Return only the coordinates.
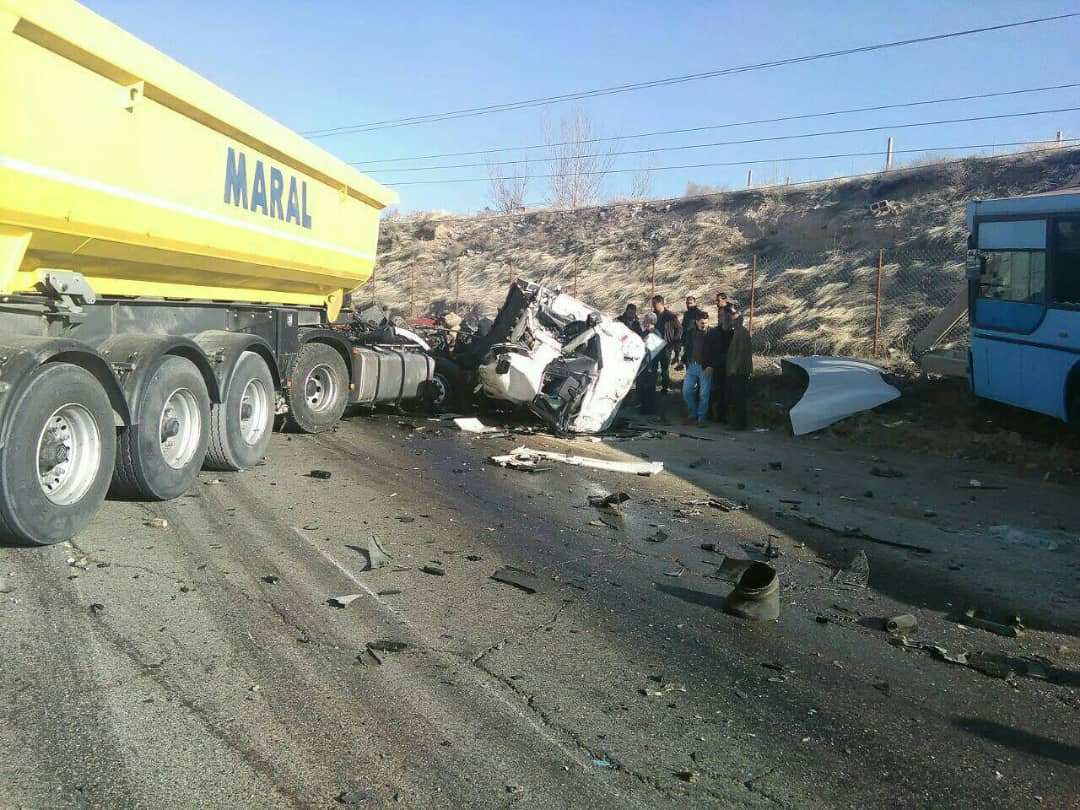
(406, 519)
(821, 619)
(1012, 628)
(473, 557)
(388, 592)
(343, 601)
(776, 465)
(757, 594)
(352, 797)
(386, 645)
(519, 578)
(157, 523)
(857, 573)
(666, 689)
(601, 763)
(6, 586)
(526, 456)
(855, 531)
(469, 424)
(677, 573)
(321, 475)
(709, 547)
(700, 462)
(659, 536)
(612, 501)
(434, 570)
(726, 505)
(271, 579)
(885, 472)
(975, 483)
(376, 554)
(902, 625)
(732, 568)
(96, 608)
(687, 776)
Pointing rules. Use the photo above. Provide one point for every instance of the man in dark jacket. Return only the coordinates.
(689, 318)
(667, 324)
(739, 366)
(699, 375)
(716, 349)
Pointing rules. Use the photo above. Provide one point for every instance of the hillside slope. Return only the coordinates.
(815, 249)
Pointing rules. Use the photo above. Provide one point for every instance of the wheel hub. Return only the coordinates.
(320, 388)
(254, 411)
(179, 428)
(68, 454)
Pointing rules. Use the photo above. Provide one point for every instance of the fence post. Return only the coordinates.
(749, 178)
(753, 286)
(372, 285)
(653, 277)
(412, 290)
(877, 301)
(575, 275)
(457, 286)
(888, 155)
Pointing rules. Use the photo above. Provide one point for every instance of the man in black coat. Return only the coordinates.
(690, 317)
(668, 326)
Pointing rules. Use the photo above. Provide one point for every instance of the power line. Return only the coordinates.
(488, 217)
(781, 119)
(766, 139)
(624, 88)
(874, 153)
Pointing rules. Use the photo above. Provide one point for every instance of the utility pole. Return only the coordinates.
(888, 155)
(750, 178)
(457, 287)
(1060, 137)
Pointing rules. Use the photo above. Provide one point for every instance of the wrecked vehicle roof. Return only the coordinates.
(568, 363)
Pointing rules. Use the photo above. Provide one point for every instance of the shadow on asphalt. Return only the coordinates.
(709, 600)
(1018, 740)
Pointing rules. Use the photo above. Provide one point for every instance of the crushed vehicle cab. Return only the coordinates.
(568, 363)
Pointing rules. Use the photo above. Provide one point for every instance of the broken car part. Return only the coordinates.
(838, 387)
(757, 594)
(529, 458)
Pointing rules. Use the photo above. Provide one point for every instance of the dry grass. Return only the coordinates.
(816, 248)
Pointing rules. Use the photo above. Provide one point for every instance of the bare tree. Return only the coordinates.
(507, 188)
(577, 163)
(641, 183)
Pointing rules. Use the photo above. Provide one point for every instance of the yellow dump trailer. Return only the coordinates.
(170, 262)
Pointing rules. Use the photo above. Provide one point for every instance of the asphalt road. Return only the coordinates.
(200, 664)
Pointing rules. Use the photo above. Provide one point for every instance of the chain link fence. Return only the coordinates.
(868, 303)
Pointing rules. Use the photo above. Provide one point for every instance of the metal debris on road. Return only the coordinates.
(270, 579)
(756, 595)
(96, 608)
(469, 424)
(857, 573)
(406, 519)
(678, 573)
(386, 645)
(612, 501)
(885, 472)
(529, 458)
(659, 536)
(434, 570)
(157, 523)
(352, 797)
(343, 601)
(519, 578)
(727, 505)
(902, 625)
(731, 568)
(666, 689)
(709, 547)
(376, 554)
(776, 465)
(1010, 628)
(321, 475)
(601, 763)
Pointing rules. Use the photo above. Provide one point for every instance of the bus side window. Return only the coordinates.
(1066, 269)
(1014, 275)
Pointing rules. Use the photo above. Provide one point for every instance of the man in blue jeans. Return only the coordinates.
(699, 377)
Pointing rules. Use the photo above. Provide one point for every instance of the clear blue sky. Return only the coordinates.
(322, 64)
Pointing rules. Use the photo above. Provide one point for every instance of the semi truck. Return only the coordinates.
(171, 264)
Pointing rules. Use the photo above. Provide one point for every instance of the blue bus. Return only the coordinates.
(1023, 273)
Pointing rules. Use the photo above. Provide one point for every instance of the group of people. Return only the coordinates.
(717, 360)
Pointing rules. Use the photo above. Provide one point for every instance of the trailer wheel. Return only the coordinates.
(319, 391)
(56, 464)
(441, 392)
(160, 454)
(241, 425)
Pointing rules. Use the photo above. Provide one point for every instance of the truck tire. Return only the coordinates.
(57, 462)
(158, 457)
(241, 425)
(441, 392)
(320, 389)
